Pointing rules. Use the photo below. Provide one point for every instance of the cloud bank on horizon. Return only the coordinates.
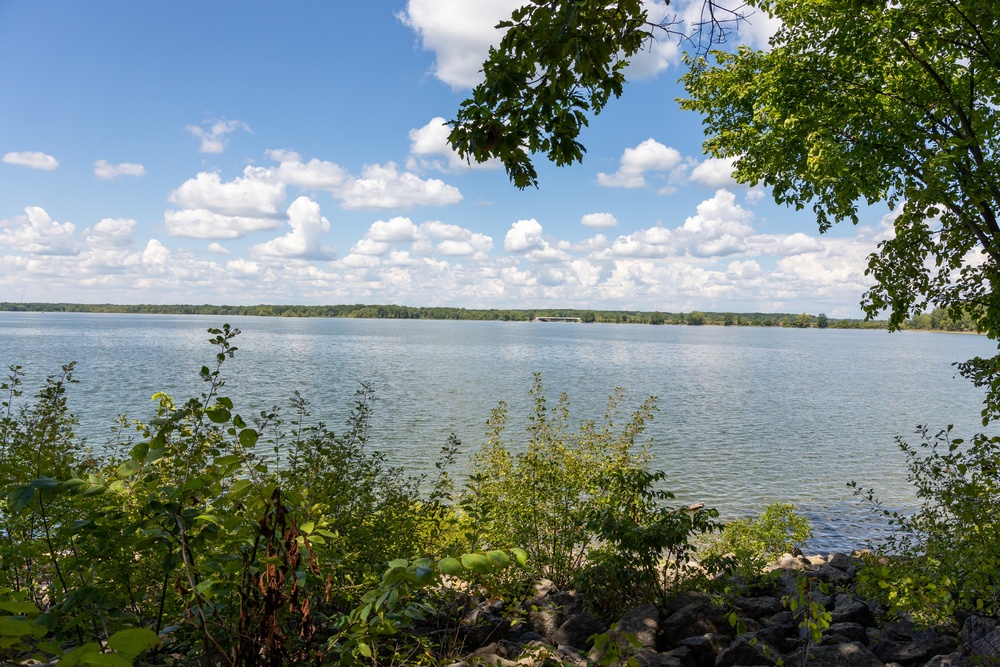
(236, 209)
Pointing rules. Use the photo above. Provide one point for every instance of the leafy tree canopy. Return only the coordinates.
(855, 102)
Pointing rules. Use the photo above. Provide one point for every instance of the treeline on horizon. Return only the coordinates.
(939, 319)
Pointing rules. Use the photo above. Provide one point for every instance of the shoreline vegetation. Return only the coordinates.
(937, 320)
(199, 538)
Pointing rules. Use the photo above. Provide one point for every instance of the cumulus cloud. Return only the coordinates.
(111, 232)
(648, 156)
(200, 223)
(599, 220)
(32, 160)
(459, 33)
(714, 173)
(396, 230)
(213, 136)
(36, 233)
(384, 186)
(218, 249)
(303, 241)
(256, 193)
(109, 172)
(430, 149)
(312, 175)
(524, 235)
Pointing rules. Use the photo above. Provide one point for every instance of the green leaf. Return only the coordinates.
(451, 566)
(307, 527)
(399, 562)
(477, 563)
(20, 498)
(248, 437)
(133, 641)
(499, 559)
(520, 555)
(218, 414)
(364, 649)
(18, 608)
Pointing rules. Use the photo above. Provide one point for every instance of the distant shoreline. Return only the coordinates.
(392, 311)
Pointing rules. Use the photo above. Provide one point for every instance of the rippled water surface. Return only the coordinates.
(747, 416)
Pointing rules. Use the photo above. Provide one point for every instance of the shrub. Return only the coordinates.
(582, 502)
(746, 546)
(946, 555)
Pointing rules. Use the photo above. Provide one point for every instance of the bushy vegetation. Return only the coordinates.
(945, 556)
(583, 502)
(201, 537)
(746, 546)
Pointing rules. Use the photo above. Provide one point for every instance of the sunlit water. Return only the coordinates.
(747, 416)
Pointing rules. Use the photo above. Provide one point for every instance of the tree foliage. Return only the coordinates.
(559, 62)
(863, 102)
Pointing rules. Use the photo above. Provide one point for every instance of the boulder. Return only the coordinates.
(745, 651)
(981, 636)
(956, 659)
(758, 607)
(642, 622)
(577, 631)
(705, 648)
(851, 654)
(848, 609)
(698, 618)
(903, 643)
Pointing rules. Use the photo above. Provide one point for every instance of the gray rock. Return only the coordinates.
(485, 629)
(577, 631)
(851, 654)
(854, 632)
(956, 659)
(546, 621)
(653, 659)
(758, 607)
(845, 563)
(697, 618)
(902, 642)
(848, 609)
(981, 636)
(704, 649)
(744, 651)
(641, 622)
(833, 575)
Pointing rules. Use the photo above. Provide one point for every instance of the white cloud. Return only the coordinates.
(213, 139)
(308, 228)
(312, 175)
(650, 155)
(257, 193)
(241, 268)
(36, 233)
(112, 232)
(384, 186)
(217, 249)
(396, 230)
(109, 172)
(459, 33)
(156, 255)
(430, 149)
(32, 160)
(524, 235)
(715, 172)
(599, 220)
(203, 224)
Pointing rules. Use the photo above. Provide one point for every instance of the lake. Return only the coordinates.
(747, 416)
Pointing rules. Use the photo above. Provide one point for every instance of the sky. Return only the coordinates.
(295, 153)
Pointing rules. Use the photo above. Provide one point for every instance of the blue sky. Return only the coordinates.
(263, 152)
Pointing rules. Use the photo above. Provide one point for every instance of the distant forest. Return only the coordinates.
(936, 320)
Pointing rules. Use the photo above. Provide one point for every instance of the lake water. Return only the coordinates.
(747, 416)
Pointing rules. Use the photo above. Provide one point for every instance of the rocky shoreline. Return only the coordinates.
(695, 630)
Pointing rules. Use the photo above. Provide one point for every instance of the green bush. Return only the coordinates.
(746, 546)
(583, 502)
(946, 555)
